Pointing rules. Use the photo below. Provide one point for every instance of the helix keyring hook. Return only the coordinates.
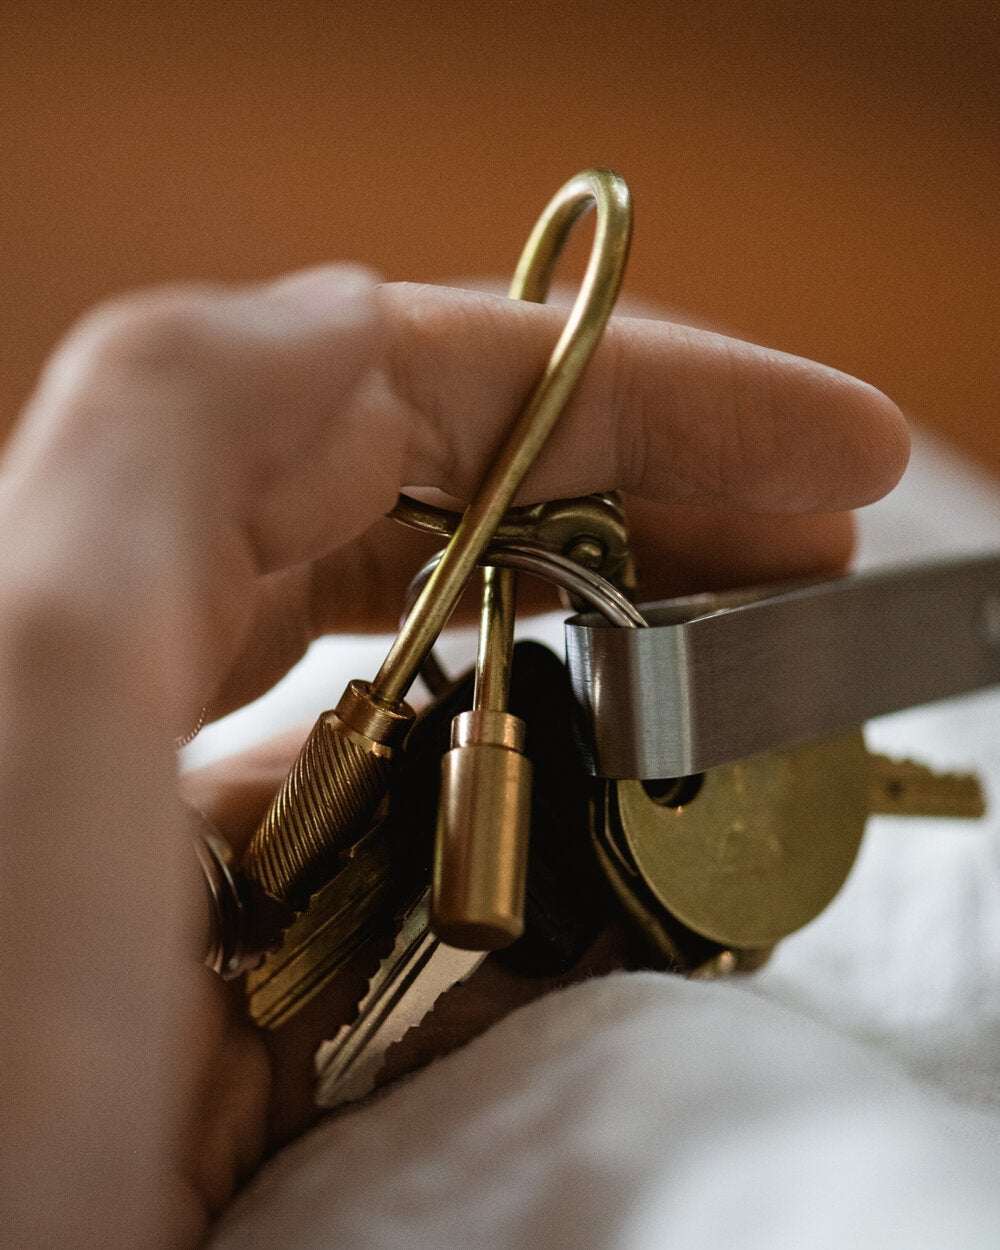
(608, 194)
(340, 776)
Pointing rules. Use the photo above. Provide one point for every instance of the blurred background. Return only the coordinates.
(819, 177)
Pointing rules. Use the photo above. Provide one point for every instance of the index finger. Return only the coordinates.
(662, 411)
(318, 397)
(281, 420)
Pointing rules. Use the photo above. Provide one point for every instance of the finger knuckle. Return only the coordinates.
(423, 329)
(160, 332)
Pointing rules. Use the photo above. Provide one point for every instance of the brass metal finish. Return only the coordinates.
(669, 944)
(589, 530)
(329, 798)
(579, 337)
(761, 848)
(496, 640)
(339, 780)
(340, 919)
(715, 868)
(482, 852)
(906, 788)
(587, 534)
(484, 813)
(487, 725)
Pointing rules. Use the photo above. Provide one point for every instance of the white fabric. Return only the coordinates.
(848, 1095)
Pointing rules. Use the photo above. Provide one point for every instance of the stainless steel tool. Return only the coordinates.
(717, 678)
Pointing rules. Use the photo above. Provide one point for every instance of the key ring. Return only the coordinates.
(590, 530)
(550, 566)
(341, 775)
(605, 191)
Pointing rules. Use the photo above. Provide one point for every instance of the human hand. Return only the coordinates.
(194, 493)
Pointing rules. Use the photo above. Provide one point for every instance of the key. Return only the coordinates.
(386, 869)
(341, 918)
(568, 901)
(481, 842)
(719, 867)
(908, 788)
(566, 898)
(402, 992)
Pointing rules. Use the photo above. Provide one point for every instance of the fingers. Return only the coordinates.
(161, 460)
(301, 408)
(663, 411)
(267, 427)
(679, 550)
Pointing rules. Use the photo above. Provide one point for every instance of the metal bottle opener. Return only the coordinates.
(717, 678)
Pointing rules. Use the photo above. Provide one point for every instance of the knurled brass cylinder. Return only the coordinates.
(330, 797)
(481, 848)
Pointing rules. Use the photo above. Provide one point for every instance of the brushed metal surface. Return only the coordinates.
(716, 678)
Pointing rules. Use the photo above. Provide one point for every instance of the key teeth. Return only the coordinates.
(347, 1073)
(340, 1077)
(333, 1089)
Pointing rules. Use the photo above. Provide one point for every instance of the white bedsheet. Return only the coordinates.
(847, 1095)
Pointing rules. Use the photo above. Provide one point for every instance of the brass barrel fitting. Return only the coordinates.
(481, 847)
(330, 797)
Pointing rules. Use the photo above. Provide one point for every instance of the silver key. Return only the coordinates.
(404, 989)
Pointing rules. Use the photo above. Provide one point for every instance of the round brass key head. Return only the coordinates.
(751, 851)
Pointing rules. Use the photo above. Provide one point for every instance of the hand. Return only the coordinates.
(193, 494)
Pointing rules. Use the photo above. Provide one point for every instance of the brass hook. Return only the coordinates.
(340, 776)
(608, 193)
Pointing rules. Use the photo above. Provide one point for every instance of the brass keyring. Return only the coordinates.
(605, 191)
(341, 774)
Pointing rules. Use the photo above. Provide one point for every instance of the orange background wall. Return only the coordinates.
(821, 177)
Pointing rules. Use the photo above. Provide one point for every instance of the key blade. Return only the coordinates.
(907, 788)
(403, 991)
(342, 915)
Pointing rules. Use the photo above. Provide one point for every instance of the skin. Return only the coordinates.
(193, 493)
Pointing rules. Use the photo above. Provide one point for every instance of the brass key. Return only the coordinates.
(732, 860)
(379, 875)
(907, 788)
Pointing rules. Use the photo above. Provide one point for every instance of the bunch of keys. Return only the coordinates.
(690, 767)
